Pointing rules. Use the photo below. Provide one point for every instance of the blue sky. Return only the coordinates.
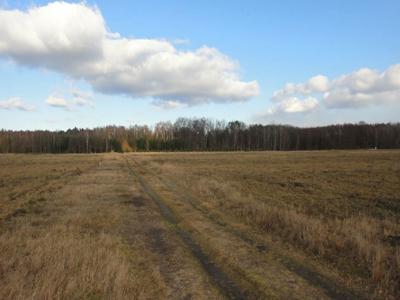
(274, 42)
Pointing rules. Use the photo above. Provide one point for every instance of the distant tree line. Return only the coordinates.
(201, 134)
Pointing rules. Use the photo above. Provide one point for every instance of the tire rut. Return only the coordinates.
(331, 289)
(222, 280)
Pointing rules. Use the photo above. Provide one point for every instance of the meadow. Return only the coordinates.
(206, 225)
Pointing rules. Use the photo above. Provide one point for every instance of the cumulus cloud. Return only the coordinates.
(70, 102)
(361, 88)
(58, 101)
(317, 83)
(293, 105)
(73, 39)
(16, 103)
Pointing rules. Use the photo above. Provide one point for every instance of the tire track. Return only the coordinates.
(222, 280)
(331, 289)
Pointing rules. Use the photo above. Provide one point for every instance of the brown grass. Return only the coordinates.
(341, 206)
(61, 264)
(69, 228)
(360, 241)
(70, 245)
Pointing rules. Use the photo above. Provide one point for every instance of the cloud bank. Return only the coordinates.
(73, 39)
(16, 103)
(362, 88)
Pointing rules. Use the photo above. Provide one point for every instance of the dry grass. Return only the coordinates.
(341, 206)
(70, 245)
(25, 178)
(69, 228)
(359, 241)
(61, 264)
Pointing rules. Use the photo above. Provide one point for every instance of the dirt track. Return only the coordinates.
(234, 280)
(331, 289)
(225, 284)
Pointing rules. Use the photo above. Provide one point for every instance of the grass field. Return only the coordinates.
(253, 225)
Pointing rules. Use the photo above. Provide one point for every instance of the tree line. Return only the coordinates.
(202, 134)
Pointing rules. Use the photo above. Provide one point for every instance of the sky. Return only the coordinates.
(96, 63)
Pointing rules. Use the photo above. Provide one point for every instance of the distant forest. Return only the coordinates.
(201, 134)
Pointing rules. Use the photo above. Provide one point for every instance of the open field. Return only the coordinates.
(240, 225)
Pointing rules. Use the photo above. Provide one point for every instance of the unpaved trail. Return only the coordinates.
(252, 269)
(142, 226)
(98, 236)
(183, 277)
(222, 280)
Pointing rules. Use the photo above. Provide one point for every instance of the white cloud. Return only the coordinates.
(74, 98)
(73, 38)
(362, 88)
(16, 103)
(58, 101)
(294, 105)
(317, 83)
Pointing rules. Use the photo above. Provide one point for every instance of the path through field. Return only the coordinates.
(117, 229)
(240, 266)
